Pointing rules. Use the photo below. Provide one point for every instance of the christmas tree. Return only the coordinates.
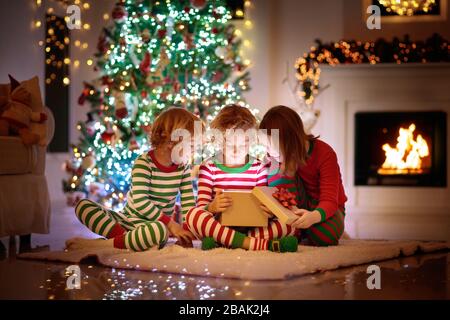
(157, 54)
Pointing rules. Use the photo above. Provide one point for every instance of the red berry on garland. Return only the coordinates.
(187, 9)
(215, 30)
(144, 94)
(198, 4)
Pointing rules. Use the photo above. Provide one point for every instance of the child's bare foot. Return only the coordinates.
(81, 243)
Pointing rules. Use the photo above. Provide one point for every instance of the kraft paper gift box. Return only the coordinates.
(244, 212)
(264, 194)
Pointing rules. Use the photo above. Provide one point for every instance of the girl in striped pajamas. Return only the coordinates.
(239, 172)
(146, 220)
(309, 167)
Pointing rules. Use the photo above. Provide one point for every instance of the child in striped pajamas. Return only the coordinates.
(239, 172)
(309, 167)
(146, 220)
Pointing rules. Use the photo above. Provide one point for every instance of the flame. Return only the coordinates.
(407, 156)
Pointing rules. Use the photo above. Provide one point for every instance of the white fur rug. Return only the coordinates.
(241, 264)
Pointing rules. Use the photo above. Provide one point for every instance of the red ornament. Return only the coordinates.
(176, 86)
(119, 13)
(215, 30)
(168, 80)
(217, 76)
(107, 137)
(162, 33)
(133, 145)
(102, 44)
(86, 92)
(144, 66)
(198, 4)
(188, 39)
(121, 113)
(187, 9)
(144, 94)
(239, 67)
(285, 197)
(107, 81)
(147, 128)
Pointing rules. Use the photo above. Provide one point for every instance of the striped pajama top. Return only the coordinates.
(213, 175)
(154, 189)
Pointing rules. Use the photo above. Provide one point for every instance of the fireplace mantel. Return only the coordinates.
(385, 212)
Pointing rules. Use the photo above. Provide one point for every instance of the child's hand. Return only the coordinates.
(305, 218)
(176, 230)
(266, 211)
(220, 203)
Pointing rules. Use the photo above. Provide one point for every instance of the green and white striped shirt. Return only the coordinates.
(154, 190)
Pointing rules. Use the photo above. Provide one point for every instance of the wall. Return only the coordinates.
(294, 25)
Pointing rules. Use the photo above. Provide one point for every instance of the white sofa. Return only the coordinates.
(24, 197)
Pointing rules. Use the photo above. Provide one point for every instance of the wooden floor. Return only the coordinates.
(418, 277)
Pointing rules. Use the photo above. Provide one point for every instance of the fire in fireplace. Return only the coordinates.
(410, 156)
(401, 149)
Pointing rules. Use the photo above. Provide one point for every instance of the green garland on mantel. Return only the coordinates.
(433, 49)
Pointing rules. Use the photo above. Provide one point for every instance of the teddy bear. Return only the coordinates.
(17, 116)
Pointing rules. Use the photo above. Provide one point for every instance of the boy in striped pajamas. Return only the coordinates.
(146, 220)
(239, 172)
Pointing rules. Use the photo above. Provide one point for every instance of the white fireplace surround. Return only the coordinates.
(381, 212)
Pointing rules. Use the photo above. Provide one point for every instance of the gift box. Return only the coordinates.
(244, 212)
(265, 196)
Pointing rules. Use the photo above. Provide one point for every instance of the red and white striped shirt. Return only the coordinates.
(217, 176)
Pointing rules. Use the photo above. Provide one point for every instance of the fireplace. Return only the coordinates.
(401, 149)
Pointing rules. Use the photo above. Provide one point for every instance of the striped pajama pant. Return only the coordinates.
(326, 233)
(140, 235)
(322, 234)
(202, 223)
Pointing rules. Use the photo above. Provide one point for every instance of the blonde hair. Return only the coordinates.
(170, 120)
(234, 117)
